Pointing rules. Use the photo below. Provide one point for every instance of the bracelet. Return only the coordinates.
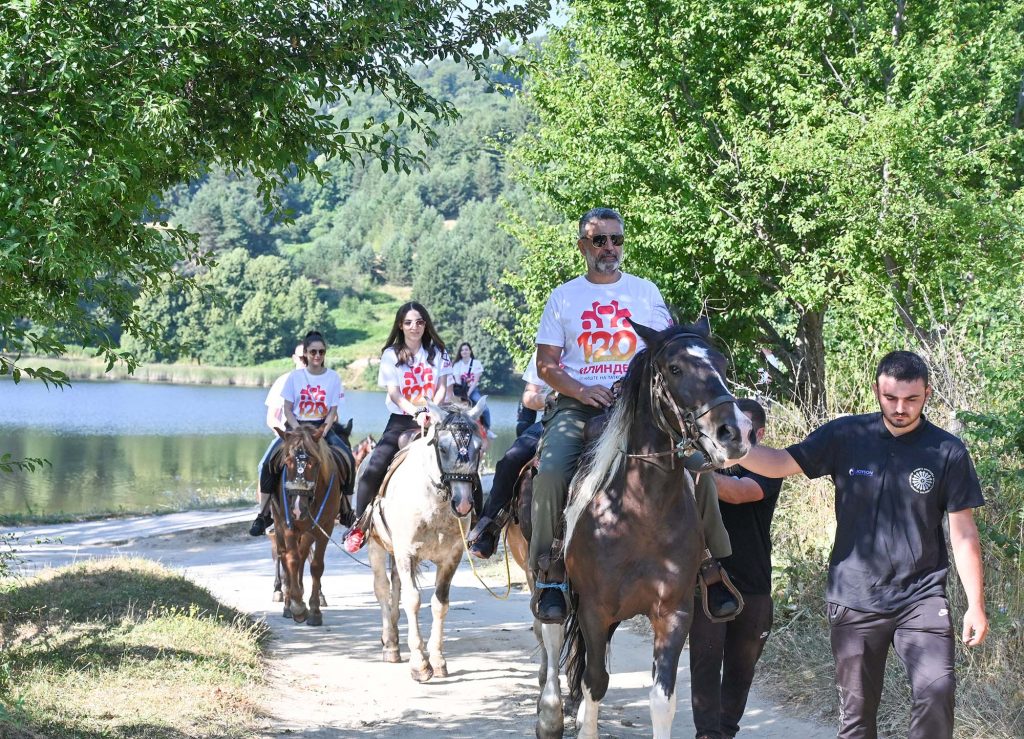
(419, 411)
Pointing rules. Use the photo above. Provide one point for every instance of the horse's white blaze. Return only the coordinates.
(663, 710)
(699, 352)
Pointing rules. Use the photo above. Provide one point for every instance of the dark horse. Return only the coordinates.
(633, 541)
(305, 509)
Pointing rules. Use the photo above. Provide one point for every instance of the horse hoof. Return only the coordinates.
(278, 597)
(300, 617)
(440, 671)
(287, 613)
(421, 676)
(315, 619)
(391, 655)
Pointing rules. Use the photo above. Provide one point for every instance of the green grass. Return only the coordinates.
(125, 648)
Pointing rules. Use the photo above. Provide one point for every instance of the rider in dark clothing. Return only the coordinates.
(483, 538)
(723, 655)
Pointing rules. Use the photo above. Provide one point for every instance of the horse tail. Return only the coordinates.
(574, 653)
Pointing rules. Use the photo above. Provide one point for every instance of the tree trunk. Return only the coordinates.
(810, 365)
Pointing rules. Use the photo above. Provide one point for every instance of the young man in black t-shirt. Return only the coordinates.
(723, 655)
(896, 476)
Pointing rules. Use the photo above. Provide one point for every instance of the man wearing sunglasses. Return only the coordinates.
(584, 344)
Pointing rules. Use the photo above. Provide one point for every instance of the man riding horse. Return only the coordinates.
(584, 344)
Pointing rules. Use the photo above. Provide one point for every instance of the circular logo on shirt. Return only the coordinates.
(921, 480)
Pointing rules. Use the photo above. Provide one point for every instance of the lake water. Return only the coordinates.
(136, 447)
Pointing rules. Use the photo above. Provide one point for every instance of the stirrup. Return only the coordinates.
(712, 574)
(540, 589)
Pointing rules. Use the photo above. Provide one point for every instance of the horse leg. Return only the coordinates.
(439, 610)
(316, 571)
(419, 665)
(550, 721)
(295, 561)
(595, 677)
(669, 636)
(382, 588)
(278, 596)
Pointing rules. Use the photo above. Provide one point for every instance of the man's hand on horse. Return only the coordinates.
(597, 396)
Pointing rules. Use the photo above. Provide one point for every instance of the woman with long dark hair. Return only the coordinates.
(414, 368)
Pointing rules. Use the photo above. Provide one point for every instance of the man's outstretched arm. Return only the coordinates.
(764, 460)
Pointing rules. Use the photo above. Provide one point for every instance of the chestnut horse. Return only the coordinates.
(304, 511)
(359, 453)
(633, 539)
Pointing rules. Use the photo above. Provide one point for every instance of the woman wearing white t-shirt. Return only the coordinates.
(414, 368)
(310, 395)
(466, 372)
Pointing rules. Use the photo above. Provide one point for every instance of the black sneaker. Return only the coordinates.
(260, 524)
(551, 606)
(484, 546)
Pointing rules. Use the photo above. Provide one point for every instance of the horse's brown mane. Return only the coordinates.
(319, 450)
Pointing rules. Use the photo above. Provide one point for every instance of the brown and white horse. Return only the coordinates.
(633, 541)
(304, 510)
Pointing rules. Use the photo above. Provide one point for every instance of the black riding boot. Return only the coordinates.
(483, 539)
(549, 594)
(261, 523)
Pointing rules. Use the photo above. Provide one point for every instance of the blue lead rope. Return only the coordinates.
(284, 500)
(284, 497)
(563, 586)
(330, 484)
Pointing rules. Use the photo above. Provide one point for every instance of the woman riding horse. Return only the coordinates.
(311, 395)
(414, 368)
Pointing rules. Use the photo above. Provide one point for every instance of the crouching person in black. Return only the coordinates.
(483, 539)
(723, 655)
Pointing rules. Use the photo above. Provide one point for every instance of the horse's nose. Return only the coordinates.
(728, 433)
(463, 506)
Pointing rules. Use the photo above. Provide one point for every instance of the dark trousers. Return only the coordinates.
(380, 459)
(506, 472)
(722, 659)
(922, 635)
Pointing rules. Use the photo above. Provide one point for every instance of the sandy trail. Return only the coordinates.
(331, 682)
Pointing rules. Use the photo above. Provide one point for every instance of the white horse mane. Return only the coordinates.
(600, 464)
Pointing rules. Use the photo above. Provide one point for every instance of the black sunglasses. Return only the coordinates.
(316, 352)
(601, 239)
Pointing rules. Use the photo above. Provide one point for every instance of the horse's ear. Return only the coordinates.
(478, 410)
(703, 326)
(280, 432)
(319, 433)
(435, 411)
(645, 333)
(346, 430)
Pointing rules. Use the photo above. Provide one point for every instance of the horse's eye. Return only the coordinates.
(674, 369)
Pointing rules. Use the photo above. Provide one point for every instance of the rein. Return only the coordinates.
(462, 433)
(307, 493)
(688, 436)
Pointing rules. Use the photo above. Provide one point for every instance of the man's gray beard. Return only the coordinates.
(606, 268)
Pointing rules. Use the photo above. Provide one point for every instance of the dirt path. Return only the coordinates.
(330, 681)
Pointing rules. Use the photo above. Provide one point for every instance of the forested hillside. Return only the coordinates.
(355, 248)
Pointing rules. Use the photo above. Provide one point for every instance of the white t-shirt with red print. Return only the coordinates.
(416, 381)
(313, 396)
(468, 372)
(532, 375)
(588, 321)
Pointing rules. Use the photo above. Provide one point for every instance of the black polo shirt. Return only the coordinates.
(891, 495)
(749, 527)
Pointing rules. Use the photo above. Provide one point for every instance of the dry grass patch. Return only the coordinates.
(125, 648)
